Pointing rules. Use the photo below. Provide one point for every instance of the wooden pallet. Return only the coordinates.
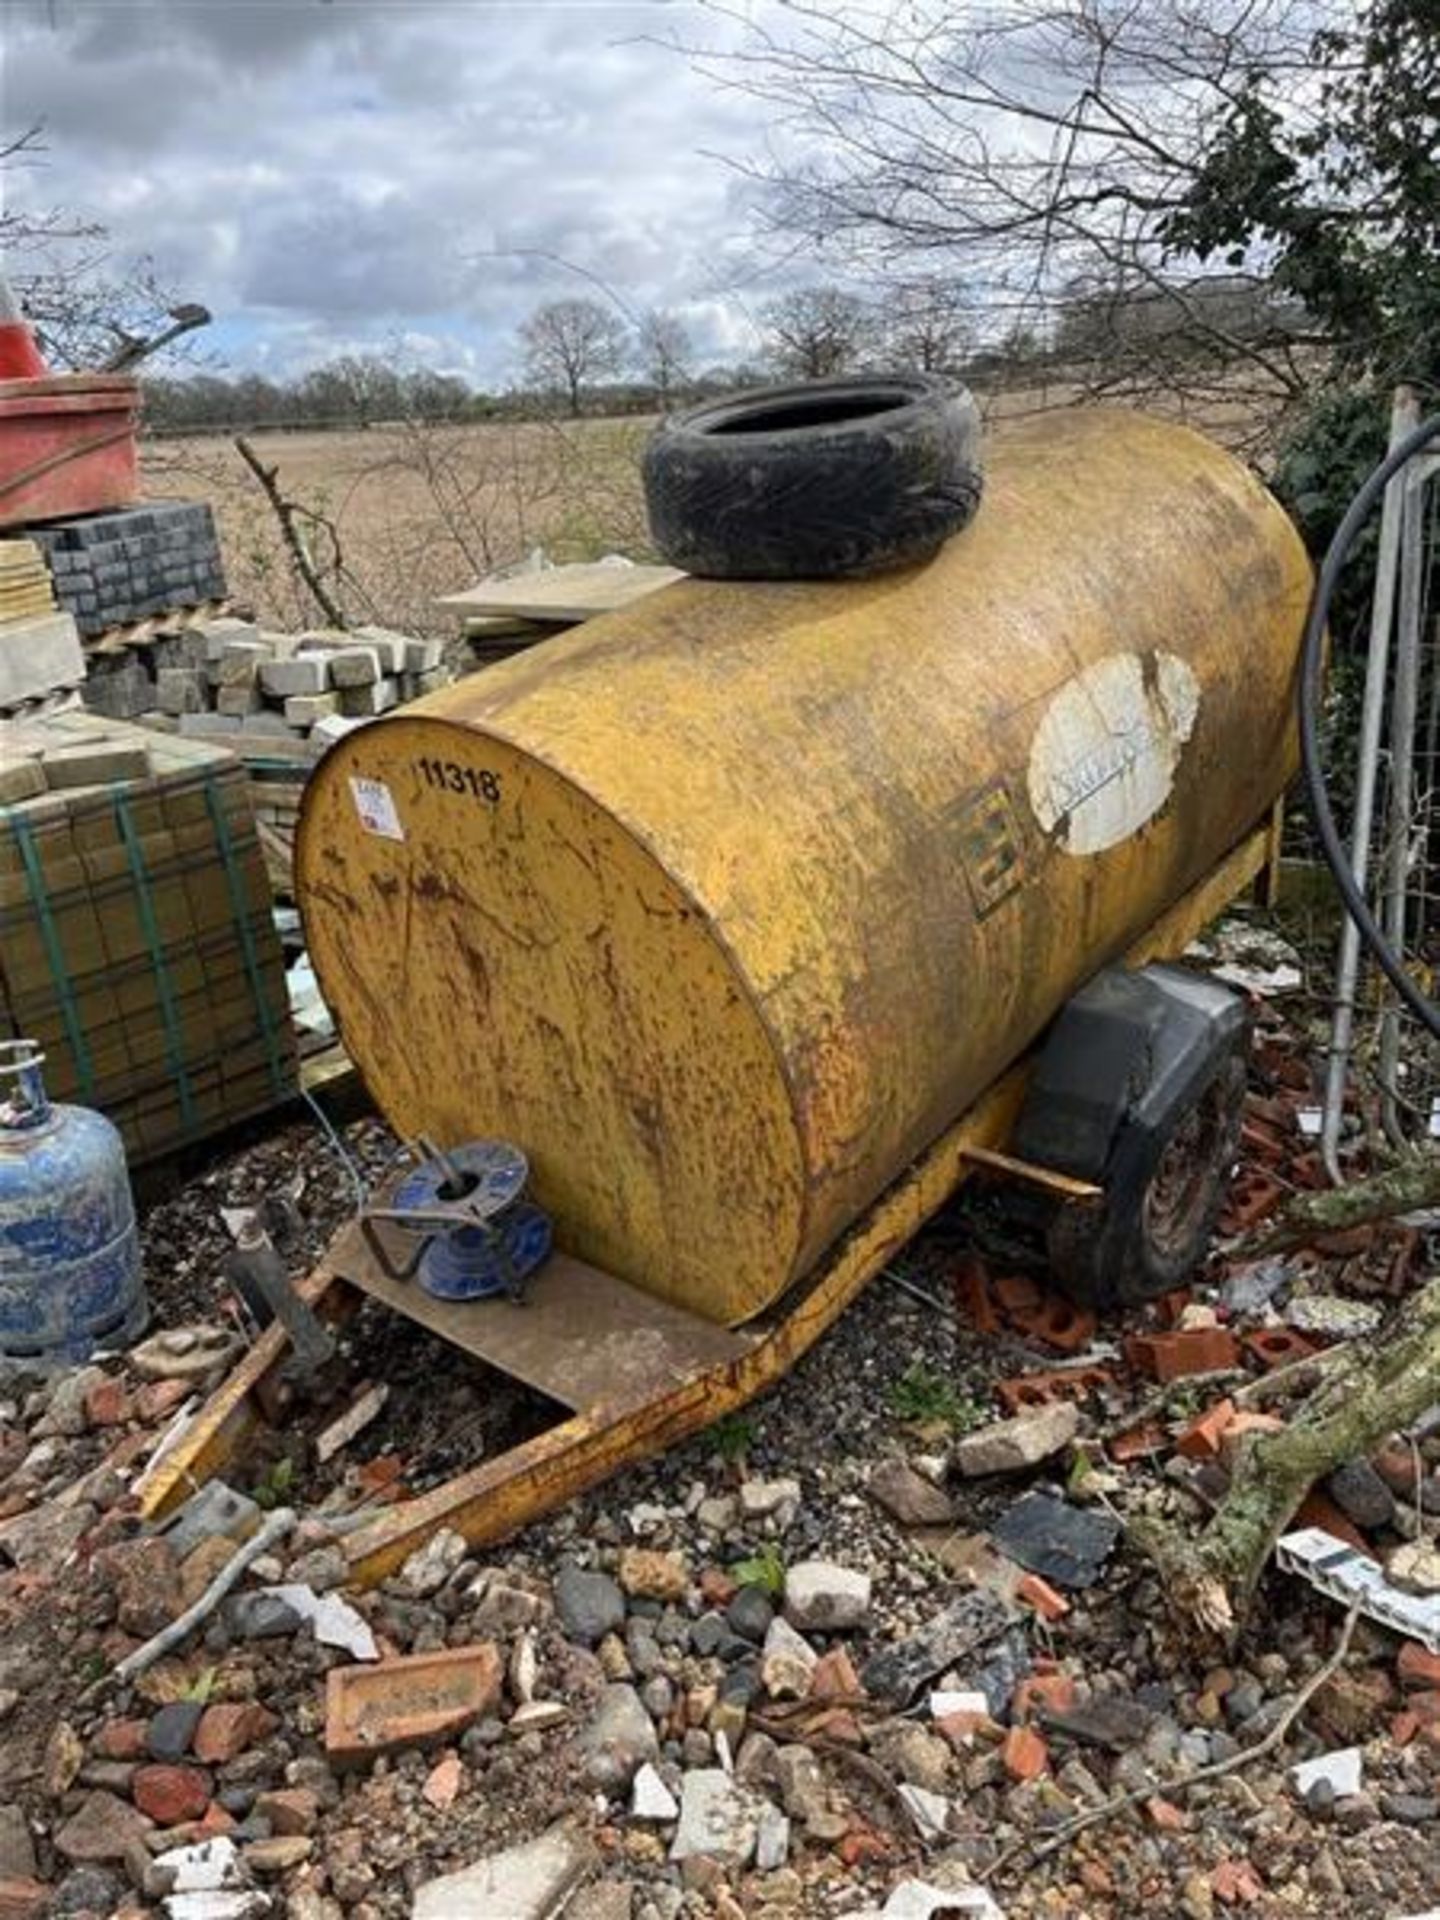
(158, 626)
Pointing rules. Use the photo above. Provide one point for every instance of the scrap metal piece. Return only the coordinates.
(256, 1265)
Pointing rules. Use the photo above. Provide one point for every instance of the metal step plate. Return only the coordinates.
(583, 1337)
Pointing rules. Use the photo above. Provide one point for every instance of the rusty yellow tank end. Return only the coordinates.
(499, 1497)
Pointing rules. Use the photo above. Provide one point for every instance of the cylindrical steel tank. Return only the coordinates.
(724, 906)
(69, 1251)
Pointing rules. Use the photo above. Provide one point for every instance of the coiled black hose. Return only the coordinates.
(1311, 668)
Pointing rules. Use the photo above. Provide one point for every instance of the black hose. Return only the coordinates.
(1311, 671)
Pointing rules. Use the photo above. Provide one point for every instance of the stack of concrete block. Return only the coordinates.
(112, 569)
(227, 676)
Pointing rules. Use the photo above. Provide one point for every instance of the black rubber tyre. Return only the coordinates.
(836, 477)
(1162, 1197)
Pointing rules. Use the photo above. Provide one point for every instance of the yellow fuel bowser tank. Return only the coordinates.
(724, 906)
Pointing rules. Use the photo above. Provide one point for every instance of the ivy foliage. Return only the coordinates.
(1342, 199)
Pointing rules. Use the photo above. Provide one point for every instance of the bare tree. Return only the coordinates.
(666, 352)
(814, 332)
(1026, 145)
(927, 326)
(570, 344)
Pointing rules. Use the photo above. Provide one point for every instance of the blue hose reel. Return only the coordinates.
(473, 1235)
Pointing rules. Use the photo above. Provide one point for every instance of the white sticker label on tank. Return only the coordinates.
(1105, 753)
(375, 805)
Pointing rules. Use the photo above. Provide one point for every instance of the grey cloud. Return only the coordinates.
(322, 172)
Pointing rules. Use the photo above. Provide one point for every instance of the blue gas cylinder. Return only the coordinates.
(69, 1252)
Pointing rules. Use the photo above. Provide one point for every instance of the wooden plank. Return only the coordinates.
(567, 594)
(582, 1336)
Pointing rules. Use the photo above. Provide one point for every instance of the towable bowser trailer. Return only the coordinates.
(747, 915)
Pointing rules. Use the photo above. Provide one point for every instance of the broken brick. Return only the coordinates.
(1016, 1292)
(863, 1846)
(717, 1589)
(1236, 1882)
(417, 1700)
(107, 1404)
(1027, 1390)
(289, 1810)
(1039, 1594)
(970, 1284)
(380, 1478)
(1243, 1426)
(1056, 1321)
(1137, 1443)
(1262, 1139)
(961, 1728)
(121, 1740)
(1175, 1356)
(1416, 1668)
(443, 1784)
(1170, 1307)
(1344, 1242)
(1202, 1439)
(230, 1728)
(1024, 1754)
(158, 1398)
(1397, 1466)
(1308, 1170)
(147, 1584)
(171, 1795)
(1253, 1195)
(1273, 1347)
(1165, 1816)
(834, 1677)
(1037, 1690)
(839, 1724)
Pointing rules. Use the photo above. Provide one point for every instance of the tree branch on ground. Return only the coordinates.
(1412, 1185)
(1373, 1389)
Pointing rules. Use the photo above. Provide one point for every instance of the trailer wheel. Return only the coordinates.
(832, 478)
(1162, 1197)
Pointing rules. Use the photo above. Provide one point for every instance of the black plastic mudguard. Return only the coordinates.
(1127, 1052)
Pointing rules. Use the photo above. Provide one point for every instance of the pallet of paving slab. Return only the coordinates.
(566, 594)
(25, 606)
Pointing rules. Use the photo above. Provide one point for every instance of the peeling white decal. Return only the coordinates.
(1104, 756)
(375, 804)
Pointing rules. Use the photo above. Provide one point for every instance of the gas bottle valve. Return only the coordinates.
(472, 1233)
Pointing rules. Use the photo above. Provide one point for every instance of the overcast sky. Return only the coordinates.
(328, 174)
